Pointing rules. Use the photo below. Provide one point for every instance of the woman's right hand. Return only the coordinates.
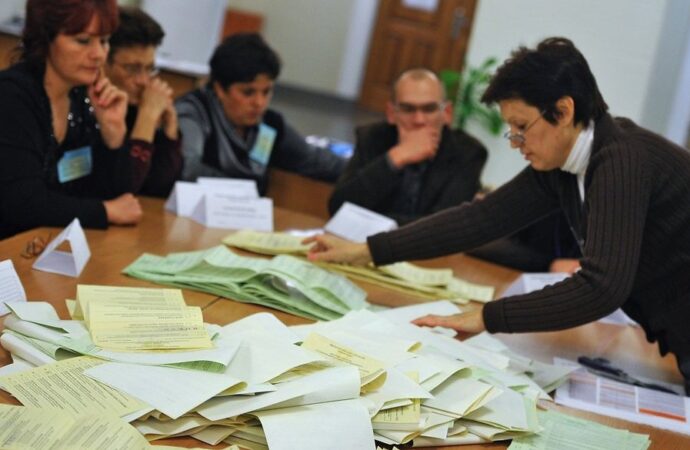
(123, 210)
(332, 249)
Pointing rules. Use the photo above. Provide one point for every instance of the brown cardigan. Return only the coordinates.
(634, 229)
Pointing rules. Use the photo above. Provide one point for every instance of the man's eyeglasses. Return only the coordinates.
(134, 70)
(35, 247)
(519, 137)
(425, 108)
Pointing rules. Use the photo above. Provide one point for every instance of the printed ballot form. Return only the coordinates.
(131, 319)
(590, 392)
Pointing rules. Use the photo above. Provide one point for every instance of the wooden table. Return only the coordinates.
(161, 232)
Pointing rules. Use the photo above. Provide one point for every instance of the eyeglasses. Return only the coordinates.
(519, 137)
(35, 247)
(425, 108)
(134, 70)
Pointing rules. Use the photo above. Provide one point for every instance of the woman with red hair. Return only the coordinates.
(62, 123)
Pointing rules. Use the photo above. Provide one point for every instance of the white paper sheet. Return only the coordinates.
(355, 223)
(11, 289)
(332, 384)
(174, 392)
(343, 424)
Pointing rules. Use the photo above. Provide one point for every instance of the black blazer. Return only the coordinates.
(453, 176)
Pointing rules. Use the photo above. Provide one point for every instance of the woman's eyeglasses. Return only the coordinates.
(519, 137)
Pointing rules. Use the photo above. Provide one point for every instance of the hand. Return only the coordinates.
(471, 322)
(333, 249)
(169, 123)
(156, 97)
(123, 210)
(155, 108)
(565, 265)
(110, 107)
(414, 146)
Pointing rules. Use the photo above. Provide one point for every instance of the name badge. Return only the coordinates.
(75, 164)
(263, 145)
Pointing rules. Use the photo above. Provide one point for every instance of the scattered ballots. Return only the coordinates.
(345, 383)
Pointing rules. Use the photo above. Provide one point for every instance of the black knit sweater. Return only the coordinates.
(30, 192)
(634, 229)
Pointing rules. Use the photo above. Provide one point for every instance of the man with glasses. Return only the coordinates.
(154, 141)
(414, 164)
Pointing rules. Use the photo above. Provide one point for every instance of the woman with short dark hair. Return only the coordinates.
(62, 122)
(623, 189)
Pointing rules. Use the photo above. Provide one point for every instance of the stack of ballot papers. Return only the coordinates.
(285, 283)
(129, 319)
(403, 276)
(339, 384)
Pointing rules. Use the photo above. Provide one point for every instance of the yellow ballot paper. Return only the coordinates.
(267, 243)
(25, 427)
(418, 275)
(371, 371)
(115, 327)
(131, 319)
(406, 417)
(136, 297)
(465, 289)
(63, 386)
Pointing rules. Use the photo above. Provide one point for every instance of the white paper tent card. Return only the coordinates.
(186, 195)
(63, 262)
(11, 289)
(183, 198)
(355, 223)
(238, 187)
(217, 209)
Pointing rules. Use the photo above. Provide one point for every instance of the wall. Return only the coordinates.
(311, 37)
(619, 38)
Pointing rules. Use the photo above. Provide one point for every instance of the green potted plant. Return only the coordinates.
(465, 89)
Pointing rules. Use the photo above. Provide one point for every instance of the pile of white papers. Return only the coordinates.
(285, 283)
(403, 276)
(339, 384)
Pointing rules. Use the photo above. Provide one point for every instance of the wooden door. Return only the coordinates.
(414, 33)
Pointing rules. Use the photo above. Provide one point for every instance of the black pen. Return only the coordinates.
(603, 367)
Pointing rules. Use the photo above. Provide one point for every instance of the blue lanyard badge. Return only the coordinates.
(263, 145)
(75, 164)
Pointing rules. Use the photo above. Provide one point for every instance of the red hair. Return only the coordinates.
(45, 19)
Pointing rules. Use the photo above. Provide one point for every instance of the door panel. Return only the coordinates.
(405, 37)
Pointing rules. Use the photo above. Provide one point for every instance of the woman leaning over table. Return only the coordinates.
(624, 190)
(62, 123)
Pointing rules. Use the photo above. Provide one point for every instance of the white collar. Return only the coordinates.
(578, 159)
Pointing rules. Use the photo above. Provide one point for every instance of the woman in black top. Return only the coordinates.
(62, 123)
